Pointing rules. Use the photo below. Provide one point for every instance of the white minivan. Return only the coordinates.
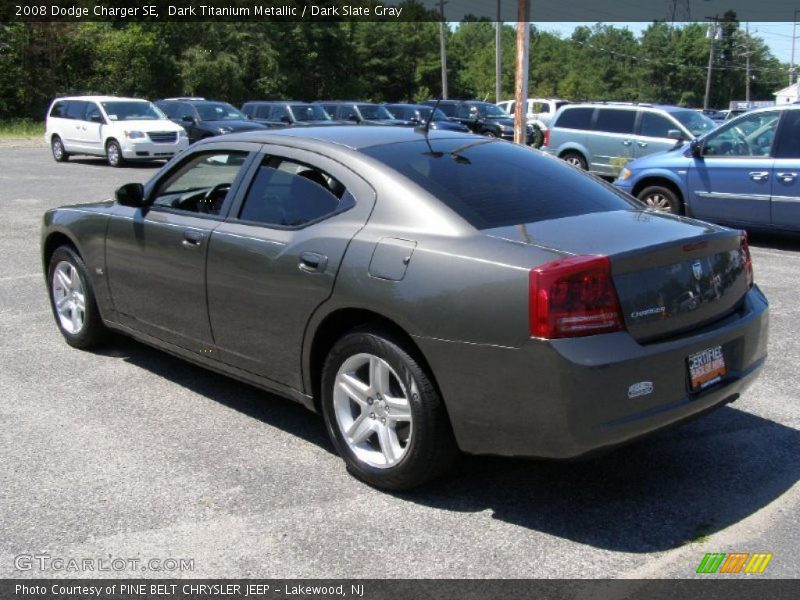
(121, 129)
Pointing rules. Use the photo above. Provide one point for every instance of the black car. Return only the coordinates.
(419, 115)
(288, 113)
(206, 118)
(362, 113)
(481, 117)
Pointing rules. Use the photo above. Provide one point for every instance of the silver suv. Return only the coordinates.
(539, 114)
(604, 137)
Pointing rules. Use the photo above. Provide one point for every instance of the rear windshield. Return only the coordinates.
(494, 183)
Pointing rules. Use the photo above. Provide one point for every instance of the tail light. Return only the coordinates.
(748, 261)
(546, 138)
(573, 297)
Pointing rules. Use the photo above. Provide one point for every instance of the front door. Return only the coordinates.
(156, 258)
(732, 180)
(275, 259)
(785, 201)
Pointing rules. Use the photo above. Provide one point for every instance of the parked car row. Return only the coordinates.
(133, 129)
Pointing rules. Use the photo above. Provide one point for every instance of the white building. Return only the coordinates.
(787, 95)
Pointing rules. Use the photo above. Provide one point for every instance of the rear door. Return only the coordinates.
(156, 258)
(92, 132)
(732, 181)
(785, 200)
(275, 259)
(74, 128)
(612, 140)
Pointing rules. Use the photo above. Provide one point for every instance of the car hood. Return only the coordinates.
(395, 122)
(237, 125)
(449, 126)
(149, 125)
(672, 158)
(502, 121)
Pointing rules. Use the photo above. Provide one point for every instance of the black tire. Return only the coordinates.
(114, 154)
(659, 197)
(57, 148)
(431, 448)
(537, 137)
(92, 332)
(576, 159)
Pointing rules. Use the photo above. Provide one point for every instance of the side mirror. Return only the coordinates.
(96, 118)
(188, 119)
(353, 118)
(130, 194)
(285, 119)
(675, 134)
(696, 148)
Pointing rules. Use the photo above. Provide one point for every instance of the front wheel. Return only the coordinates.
(383, 413)
(575, 159)
(57, 148)
(662, 199)
(72, 300)
(114, 154)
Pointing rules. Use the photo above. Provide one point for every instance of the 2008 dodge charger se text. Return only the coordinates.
(427, 292)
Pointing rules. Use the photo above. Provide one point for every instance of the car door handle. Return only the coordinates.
(192, 238)
(759, 175)
(626, 142)
(787, 177)
(312, 262)
(642, 144)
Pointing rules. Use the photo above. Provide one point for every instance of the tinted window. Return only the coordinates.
(59, 110)
(655, 125)
(184, 110)
(278, 113)
(201, 184)
(788, 144)
(751, 135)
(93, 113)
(168, 109)
(261, 111)
(576, 118)
(291, 194)
(218, 111)
(529, 188)
(309, 112)
(76, 109)
(612, 120)
(448, 109)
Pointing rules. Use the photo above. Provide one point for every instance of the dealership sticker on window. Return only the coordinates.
(706, 367)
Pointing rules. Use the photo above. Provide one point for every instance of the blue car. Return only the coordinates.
(744, 173)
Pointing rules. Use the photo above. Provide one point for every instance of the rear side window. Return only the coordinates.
(261, 111)
(654, 125)
(76, 109)
(287, 193)
(59, 109)
(576, 118)
(788, 144)
(612, 120)
(529, 188)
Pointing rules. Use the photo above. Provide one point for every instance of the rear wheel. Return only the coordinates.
(384, 414)
(575, 159)
(57, 147)
(660, 198)
(114, 154)
(72, 300)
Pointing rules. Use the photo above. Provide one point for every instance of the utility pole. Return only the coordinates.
(498, 59)
(714, 33)
(747, 54)
(794, 37)
(521, 80)
(443, 49)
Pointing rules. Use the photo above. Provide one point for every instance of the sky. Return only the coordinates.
(777, 35)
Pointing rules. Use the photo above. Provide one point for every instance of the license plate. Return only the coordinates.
(706, 368)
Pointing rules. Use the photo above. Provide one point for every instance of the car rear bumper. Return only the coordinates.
(566, 398)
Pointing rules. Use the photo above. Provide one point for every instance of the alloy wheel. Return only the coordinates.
(69, 297)
(658, 202)
(372, 409)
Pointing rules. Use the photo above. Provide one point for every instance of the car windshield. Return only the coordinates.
(438, 115)
(132, 110)
(464, 177)
(374, 112)
(309, 112)
(697, 123)
(218, 111)
(492, 111)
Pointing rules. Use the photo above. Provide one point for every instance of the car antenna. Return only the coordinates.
(427, 127)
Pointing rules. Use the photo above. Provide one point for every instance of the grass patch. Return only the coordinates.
(701, 534)
(21, 128)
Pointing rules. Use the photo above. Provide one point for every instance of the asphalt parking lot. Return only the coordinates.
(131, 453)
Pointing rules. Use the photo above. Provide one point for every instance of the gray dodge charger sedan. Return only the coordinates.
(427, 293)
